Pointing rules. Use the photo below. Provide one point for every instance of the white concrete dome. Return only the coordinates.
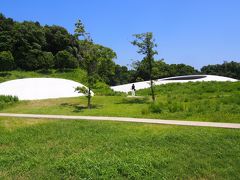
(177, 79)
(40, 88)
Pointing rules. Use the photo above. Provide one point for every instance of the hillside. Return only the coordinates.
(77, 75)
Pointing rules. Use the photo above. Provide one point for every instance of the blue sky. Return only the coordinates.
(194, 32)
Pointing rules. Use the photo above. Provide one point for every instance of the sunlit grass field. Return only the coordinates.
(50, 149)
(58, 149)
(209, 101)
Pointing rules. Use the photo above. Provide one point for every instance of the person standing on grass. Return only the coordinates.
(133, 90)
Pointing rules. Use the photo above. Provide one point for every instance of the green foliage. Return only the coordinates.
(146, 45)
(33, 45)
(83, 90)
(6, 61)
(160, 70)
(47, 60)
(65, 60)
(37, 59)
(58, 39)
(27, 36)
(80, 30)
(7, 100)
(6, 35)
(89, 58)
(105, 67)
(121, 75)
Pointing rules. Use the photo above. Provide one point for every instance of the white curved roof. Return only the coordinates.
(40, 88)
(178, 79)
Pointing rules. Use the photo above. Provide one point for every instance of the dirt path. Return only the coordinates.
(126, 119)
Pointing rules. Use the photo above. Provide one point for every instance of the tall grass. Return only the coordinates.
(201, 98)
(196, 88)
(7, 100)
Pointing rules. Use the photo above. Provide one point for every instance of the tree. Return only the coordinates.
(36, 59)
(6, 61)
(29, 38)
(46, 60)
(146, 45)
(87, 53)
(105, 64)
(65, 60)
(6, 33)
(57, 39)
(121, 75)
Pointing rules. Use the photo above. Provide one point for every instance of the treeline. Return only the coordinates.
(30, 46)
(162, 70)
(228, 69)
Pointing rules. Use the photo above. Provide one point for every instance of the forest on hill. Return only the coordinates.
(29, 46)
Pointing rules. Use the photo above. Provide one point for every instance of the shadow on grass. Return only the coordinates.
(134, 100)
(79, 107)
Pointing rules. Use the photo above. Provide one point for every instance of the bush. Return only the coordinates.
(155, 108)
(65, 60)
(6, 100)
(6, 61)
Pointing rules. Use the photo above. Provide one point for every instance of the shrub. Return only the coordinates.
(155, 108)
(6, 100)
(65, 60)
(6, 61)
(145, 111)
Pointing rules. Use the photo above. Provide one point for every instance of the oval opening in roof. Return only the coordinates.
(185, 77)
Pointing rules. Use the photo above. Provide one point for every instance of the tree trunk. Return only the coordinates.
(152, 90)
(151, 81)
(89, 98)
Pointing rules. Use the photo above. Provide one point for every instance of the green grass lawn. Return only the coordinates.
(201, 109)
(45, 149)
